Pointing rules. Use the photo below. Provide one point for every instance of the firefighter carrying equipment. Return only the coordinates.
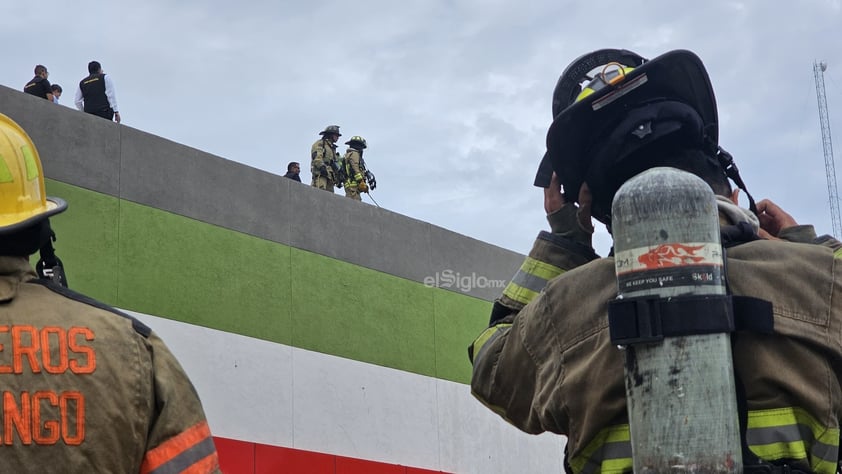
(23, 199)
(630, 104)
(354, 167)
(332, 130)
(372, 181)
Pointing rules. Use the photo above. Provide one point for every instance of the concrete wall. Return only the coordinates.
(301, 317)
(120, 161)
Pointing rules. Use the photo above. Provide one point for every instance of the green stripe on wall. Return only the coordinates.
(159, 263)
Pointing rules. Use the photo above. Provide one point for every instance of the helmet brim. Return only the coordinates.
(54, 206)
(677, 76)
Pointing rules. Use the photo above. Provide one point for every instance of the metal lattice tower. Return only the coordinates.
(827, 144)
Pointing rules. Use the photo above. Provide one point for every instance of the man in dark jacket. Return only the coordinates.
(293, 171)
(39, 86)
(96, 94)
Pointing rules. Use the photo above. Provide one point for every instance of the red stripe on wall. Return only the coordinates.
(244, 457)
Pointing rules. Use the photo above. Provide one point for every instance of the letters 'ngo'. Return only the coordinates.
(44, 417)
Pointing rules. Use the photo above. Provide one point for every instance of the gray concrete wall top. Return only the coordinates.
(120, 161)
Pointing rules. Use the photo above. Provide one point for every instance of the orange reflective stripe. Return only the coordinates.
(191, 451)
(209, 464)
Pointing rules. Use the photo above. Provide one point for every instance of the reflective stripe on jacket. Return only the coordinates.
(789, 434)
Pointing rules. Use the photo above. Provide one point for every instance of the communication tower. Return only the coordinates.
(827, 144)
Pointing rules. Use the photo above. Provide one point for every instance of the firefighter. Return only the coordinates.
(355, 169)
(324, 158)
(547, 363)
(86, 388)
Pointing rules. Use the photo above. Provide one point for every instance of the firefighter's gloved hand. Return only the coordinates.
(362, 187)
(566, 222)
(323, 171)
(369, 176)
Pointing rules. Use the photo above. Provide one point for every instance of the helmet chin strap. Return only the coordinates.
(49, 266)
(727, 163)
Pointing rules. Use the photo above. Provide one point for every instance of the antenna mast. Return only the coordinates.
(827, 144)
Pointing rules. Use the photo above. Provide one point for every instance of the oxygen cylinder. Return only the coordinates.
(680, 390)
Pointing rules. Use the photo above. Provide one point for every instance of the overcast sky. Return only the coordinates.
(453, 97)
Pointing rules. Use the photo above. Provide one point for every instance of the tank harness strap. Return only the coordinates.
(649, 319)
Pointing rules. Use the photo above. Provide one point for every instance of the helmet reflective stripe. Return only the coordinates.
(786, 432)
(530, 279)
(29, 164)
(358, 139)
(5, 174)
(605, 77)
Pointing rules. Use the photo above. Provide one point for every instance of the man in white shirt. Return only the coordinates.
(96, 94)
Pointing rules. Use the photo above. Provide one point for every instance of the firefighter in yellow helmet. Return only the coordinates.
(359, 179)
(86, 388)
(324, 159)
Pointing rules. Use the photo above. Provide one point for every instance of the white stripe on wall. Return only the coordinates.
(269, 393)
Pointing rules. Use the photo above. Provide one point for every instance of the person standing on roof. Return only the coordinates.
(39, 86)
(96, 94)
(85, 387)
(323, 156)
(355, 169)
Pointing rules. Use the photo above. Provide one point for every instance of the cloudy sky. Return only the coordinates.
(453, 97)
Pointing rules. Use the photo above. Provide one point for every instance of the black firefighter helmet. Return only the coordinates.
(602, 132)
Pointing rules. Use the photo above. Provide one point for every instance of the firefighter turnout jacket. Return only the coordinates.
(323, 153)
(86, 388)
(354, 167)
(547, 363)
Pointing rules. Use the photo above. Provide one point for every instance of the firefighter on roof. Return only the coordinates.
(358, 178)
(324, 159)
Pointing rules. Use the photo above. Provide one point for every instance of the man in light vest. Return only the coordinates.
(547, 362)
(85, 387)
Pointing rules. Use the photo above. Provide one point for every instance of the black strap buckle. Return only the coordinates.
(635, 320)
